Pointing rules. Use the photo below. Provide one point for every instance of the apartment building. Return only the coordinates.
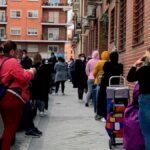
(35, 25)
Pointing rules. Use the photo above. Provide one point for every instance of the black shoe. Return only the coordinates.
(37, 131)
(86, 105)
(32, 133)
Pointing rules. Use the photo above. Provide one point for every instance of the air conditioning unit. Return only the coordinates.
(86, 24)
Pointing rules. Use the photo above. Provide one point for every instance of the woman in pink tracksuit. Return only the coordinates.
(89, 71)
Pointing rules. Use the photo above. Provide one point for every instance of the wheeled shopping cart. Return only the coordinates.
(117, 101)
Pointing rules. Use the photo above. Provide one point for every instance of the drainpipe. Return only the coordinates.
(116, 23)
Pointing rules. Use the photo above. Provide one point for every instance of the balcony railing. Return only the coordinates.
(67, 6)
(53, 23)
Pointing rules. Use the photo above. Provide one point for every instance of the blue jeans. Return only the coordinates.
(95, 97)
(144, 116)
(90, 84)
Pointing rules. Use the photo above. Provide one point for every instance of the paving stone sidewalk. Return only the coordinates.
(69, 125)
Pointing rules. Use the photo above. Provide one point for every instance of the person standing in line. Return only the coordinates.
(140, 71)
(26, 61)
(89, 72)
(11, 104)
(80, 75)
(27, 122)
(41, 85)
(61, 75)
(110, 68)
(98, 73)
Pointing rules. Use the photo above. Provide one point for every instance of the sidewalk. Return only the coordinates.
(69, 126)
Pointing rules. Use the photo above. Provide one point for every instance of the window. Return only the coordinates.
(53, 48)
(32, 48)
(112, 26)
(15, 14)
(122, 25)
(54, 1)
(138, 22)
(2, 32)
(2, 2)
(2, 16)
(15, 31)
(33, 14)
(53, 17)
(53, 33)
(32, 31)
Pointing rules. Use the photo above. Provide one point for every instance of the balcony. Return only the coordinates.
(64, 6)
(46, 22)
(3, 20)
(91, 12)
(3, 4)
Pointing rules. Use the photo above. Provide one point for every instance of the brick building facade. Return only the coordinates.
(118, 24)
(35, 25)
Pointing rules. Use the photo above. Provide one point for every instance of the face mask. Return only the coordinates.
(82, 58)
(23, 56)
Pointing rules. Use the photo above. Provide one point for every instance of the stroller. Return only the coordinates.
(117, 101)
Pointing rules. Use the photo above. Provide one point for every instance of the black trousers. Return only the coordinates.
(62, 86)
(80, 93)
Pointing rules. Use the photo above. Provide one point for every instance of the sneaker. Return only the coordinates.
(103, 120)
(56, 94)
(86, 105)
(37, 131)
(63, 94)
(32, 133)
(97, 117)
(41, 113)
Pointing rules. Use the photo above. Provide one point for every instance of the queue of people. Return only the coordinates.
(27, 83)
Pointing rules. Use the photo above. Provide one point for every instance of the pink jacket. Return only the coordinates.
(12, 69)
(91, 64)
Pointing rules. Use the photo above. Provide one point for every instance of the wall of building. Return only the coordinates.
(24, 22)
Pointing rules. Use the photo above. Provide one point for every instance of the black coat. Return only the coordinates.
(26, 63)
(110, 69)
(41, 82)
(80, 80)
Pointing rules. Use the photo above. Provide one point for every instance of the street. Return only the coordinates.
(69, 125)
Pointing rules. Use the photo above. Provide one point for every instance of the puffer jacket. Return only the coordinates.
(98, 70)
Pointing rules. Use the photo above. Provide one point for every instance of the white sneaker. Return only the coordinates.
(103, 120)
(45, 113)
(41, 113)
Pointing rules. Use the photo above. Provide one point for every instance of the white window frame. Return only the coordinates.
(15, 28)
(53, 17)
(15, 11)
(53, 48)
(55, 35)
(34, 32)
(4, 32)
(30, 46)
(3, 2)
(31, 11)
(4, 16)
